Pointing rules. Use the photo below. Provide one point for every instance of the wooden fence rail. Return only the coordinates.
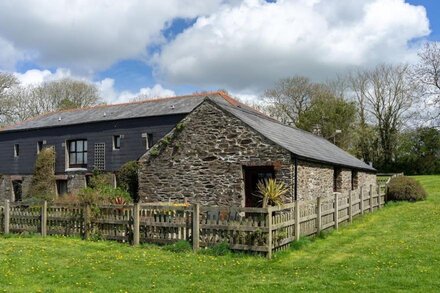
(262, 230)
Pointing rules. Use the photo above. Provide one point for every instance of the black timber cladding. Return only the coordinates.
(132, 143)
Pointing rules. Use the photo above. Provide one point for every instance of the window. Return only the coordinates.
(337, 180)
(116, 142)
(61, 187)
(354, 180)
(148, 141)
(39, 146)
(16, 150)
(78, 153)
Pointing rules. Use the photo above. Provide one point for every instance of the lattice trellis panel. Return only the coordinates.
(99, 156)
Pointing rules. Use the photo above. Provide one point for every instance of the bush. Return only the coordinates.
(128, 179)
(405, 188)
(43, 179)
(221, 248)
(179, 246)
(100, 191)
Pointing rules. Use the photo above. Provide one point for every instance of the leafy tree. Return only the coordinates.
(331, 114)
(418, 152)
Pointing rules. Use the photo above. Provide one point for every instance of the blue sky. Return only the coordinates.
(433, 10)
(181, 46)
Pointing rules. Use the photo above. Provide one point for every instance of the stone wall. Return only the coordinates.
(314, 180)
(75, 182)
(5, 188)
(204, 158)
(366, 179)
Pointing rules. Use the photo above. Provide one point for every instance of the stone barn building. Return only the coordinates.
(207, 147)
(222, 148)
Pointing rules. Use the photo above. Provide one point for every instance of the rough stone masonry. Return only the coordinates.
(203, 160)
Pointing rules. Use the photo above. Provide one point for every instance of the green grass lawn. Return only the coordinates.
(394, 249)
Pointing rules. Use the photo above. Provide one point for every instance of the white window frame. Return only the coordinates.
(114, 142)
(16, 150)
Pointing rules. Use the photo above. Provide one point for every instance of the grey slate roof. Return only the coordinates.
(157, 107)
(299, 142)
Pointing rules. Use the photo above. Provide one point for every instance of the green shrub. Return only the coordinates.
(128, 179)
(179, 246)
(221, 248)
(101, 191)
(43, 180)
(405, 188)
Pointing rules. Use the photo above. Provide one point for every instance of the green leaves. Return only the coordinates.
(272, 191)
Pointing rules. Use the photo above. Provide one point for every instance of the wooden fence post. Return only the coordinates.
(297, 221)
(6, 218)
(44, 219)
(269, 234)
(87, 220)
(136, 223)
(378, 195)
(385, 196)
(196, 227)
(371, 198)
(319, 215)
(361, 195)
(336, 212)
(350, 208)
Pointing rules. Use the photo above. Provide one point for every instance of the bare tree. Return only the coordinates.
(385, 95)
(427, 73)
(289, 98)
(22, 103)
(66, 94)
(7, 83)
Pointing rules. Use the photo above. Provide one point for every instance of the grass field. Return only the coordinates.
(396, 248)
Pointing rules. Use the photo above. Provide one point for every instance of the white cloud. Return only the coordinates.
(35, 77)
(247, 47)
(9, 55)
(106, 87)
(110, 95)
(88, 35)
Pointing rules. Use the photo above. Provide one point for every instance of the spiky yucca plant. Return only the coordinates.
(271, 191)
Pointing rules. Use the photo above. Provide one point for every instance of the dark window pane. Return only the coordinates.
(85, 158)
(117, 141)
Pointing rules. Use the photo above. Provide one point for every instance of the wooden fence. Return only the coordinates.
(261, 230)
